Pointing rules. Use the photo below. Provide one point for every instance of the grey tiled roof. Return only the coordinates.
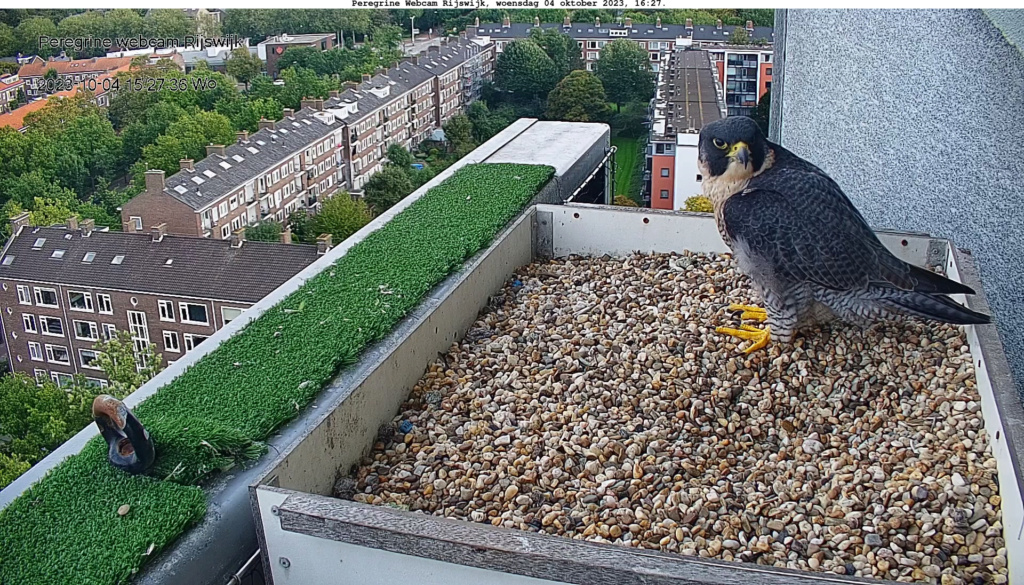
(289, 136)
(200, 267)
(639, 32)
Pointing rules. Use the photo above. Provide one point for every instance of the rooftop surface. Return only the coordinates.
(558, 144)
(199, 267)
(298, 39)
(692, 93)
(37, 67)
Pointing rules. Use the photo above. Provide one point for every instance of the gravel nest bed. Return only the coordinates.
(593, 399)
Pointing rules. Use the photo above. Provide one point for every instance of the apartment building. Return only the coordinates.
(100, 96)
(740, 79)
(73, 71)
(286, 165)
(271, 49)
(10, 85)
(688, 96)
(65, 288)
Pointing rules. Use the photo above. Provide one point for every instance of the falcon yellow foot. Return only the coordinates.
(760, 337)
(750, 312)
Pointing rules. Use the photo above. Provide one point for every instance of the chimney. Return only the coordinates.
(266, 124)
(286, 235)
(333, 93)
(323, 244)
(536, 21)
(597, 21)
(505, 22)
(128, 227)
(288, 112)
(628, 22)
(463, 35)
(718, 24)
(750, 26)
(158, 232)
(307, 103)
(72, 223)
(214, 149)
(689, 24)
(366, 77)
(188, 164)
(242, 136)
(237, 237)
(352, 84)
(19, 221)
(657, 22)
(154, 180)
(476, 22)
(88, 225)
(566, 22)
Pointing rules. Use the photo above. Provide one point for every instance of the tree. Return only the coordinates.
(39, 416)
(266, 231)
(301, 224)
(763, 111)
(399, 157)
(458, 130)
(243, 65)
(486, 122)
(127, 368)
(561, 48)
(341, 217)
(739, 36)
(28, 32)
(524, 69)
(386, 188)
(578, 98)
(624, 69)
(167, 23)
(187, 137)
(7, 43)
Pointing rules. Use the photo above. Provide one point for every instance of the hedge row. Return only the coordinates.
(66, 528)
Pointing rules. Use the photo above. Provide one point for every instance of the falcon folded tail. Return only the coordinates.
(936, 307)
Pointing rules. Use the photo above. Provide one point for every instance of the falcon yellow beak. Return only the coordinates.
(741, 152)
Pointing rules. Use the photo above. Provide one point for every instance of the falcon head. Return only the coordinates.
(732, 147)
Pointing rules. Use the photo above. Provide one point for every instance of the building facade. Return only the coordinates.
(10, 86)
(688, 96)
(72, 73)
(67, 288)
(270, 50)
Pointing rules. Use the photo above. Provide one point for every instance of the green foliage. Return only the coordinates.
(561, 48)
(39, 416)
(243, 65)
(459, 131)
(186, 137)
(239, 393)
(341, 217)
(266, 231)
(399, 156)
(629, 120)
(301, 224)
(126, 368)
(629, 160)
(763, 111)
(579, 97)
(739, 36)
(524, 69)
(625, 70)
(257, 24)
(299, 83)
(27, 33)
(386, 188)
(698, 203)
(7, 44)
(486, 122)
(245, 114)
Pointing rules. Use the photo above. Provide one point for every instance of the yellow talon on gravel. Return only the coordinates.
(760, 337)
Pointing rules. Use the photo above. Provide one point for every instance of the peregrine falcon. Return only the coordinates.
(808, 251)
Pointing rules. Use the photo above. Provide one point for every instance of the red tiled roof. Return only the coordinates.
(16, 118)
(37, 67)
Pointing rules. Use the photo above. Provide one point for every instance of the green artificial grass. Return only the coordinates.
(627, 156)
(66, 530)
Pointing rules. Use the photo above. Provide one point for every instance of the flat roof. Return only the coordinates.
(558, 144)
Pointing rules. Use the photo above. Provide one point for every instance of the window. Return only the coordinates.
(40, 375)
(38, 244)
(191, 341)
(225, 231)
(80, 301)
(46, 297)
(86, 330)
(166, 310)
(192, 313)
(24, 296)
(664, 172)
(95, 382)
(768, 71)
(35, 351)
(230, 314)
(58, 254)
(30, 323)
(89, 257)
(118, 259)
(57, 354)
(171, 342)
(137, 221)
(109, 331)
(105, 305)
(223, 209)
(51, 326)
(88, 358)
(591, 55)
(664, 193)
(61, 378)
(591, 44)
(699, 178)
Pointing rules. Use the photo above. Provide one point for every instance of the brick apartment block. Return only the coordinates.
(65, 288)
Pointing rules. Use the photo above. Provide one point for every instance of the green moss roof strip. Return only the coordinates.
(66, 529)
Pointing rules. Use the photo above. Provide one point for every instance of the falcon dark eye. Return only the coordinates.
(719, 144)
